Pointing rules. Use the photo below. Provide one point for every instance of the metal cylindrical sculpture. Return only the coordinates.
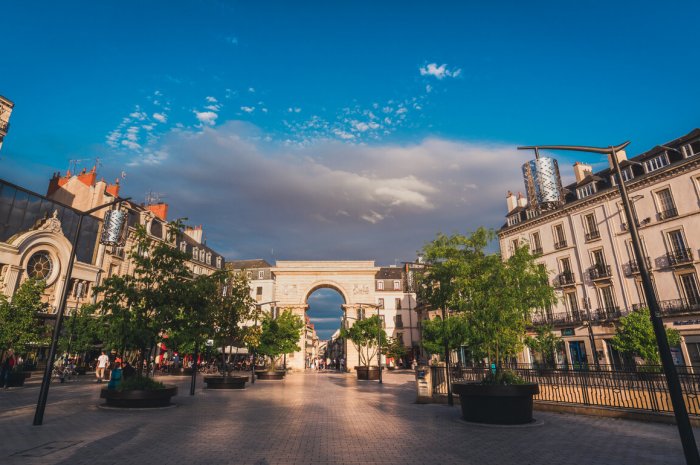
(114, 228)
(542, 183)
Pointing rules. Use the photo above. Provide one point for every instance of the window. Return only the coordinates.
(689, 285)
(656, 163)
(514, 219)
(691, 149)
(598, 258)
(515, 245)
(380, 285)
(536, 243)
(195, 252)
(249, 275)
(40, 265)
(201, 255)
(208, 258)
(360, 313)
(571, 304)
(397, 285)
(565, 265)
(607, 300)
(591, 227)
(397, 303)
(399, 337)
(676, 241)
(261, 274)
(667, 208)
(679, 252)
(627, 175)
(381, 321)
(585, 191)
(258, 290)
(380, 302)
(183, 246)
(218, 262)
(399, 321)
(559, 237)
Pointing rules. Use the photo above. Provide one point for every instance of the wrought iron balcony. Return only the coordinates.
(560, 244)
(607, 314)
(670, 213)
(599, 272)
(537, 251)
(680, 306)
(680, 257)
(592, 235)
(634, 265)
(567, 278)
(576, 317)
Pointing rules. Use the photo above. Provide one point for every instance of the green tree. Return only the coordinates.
(364, 335)
(19, 322)
(495, 295)
(635, 337)
(280, 336)
(81, 331)
(434, 331)
(546, 344)
(141, 306)
(394, 348)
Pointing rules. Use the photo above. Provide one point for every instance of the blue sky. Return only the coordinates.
(337, 130)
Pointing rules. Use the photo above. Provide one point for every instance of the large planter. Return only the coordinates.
(138, 398)
(270, 375)
(17, 379)
(367, 373)
(496, 404)
(230, 382)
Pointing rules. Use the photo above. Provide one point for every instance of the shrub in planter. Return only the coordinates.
(365, 335)
(279, 336)
(139, 392)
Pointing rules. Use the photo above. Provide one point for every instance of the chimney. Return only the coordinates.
(113, 189)
(621, 156)
(195, 233)
(511, 201)
(581, 171)
(522, 201)
(88, 178)
(160, 210)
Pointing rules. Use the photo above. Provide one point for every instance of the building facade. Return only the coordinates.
(6, 107)
(580, 235)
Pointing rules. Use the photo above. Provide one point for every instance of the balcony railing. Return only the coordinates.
(670, 213)
(634, 265)
(560, 245)
(592, 235)
(607, 314)
(680, 306)
(537, 251)
(680, 256)
(558, 319)
(599, 272)
(567, 278)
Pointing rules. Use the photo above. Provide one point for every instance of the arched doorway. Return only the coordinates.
(324, 316)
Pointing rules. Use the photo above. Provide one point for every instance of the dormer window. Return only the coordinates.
(218, 262)
(208, 258)
(183, 246)
(691, 149)
(585, 191)
(195, 252)
(513, 219)
(201, 255)
(627, 175)
(656, 163)
(380, 285)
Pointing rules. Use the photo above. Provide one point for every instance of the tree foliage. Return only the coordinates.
(233, 305)
(434, 332)
(364, 335)
(495, 295)
(635, 337)
(280, 336)
(19, 322)
(394, 348)
(545, 343)
(81, 331)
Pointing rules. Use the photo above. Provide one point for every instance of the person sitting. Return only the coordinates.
(116, 377)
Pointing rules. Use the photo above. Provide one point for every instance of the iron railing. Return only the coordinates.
(680, 306)
(558, 319)
(560, 244)
(537, 251)
(599, 272)
(566, 278)
(680, 256)
(592, 235)
(666, 214)
(641, 388)
(634, 265)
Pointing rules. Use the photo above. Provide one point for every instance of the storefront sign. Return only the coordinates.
(567, 331)
(686, 322)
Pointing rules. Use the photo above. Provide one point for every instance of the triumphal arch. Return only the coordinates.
(295, 281)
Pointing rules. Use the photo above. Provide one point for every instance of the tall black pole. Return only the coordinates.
(690, 448)
(44, 391)
(252, 368)
(450, 400)
(193, 382)
(379, 345)
(590, 334)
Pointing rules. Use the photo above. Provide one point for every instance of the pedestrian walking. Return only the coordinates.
(102, 362)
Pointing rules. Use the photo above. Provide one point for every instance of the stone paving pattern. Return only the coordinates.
(309, 418)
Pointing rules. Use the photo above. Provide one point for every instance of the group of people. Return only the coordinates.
(117, 370)
(321, 363)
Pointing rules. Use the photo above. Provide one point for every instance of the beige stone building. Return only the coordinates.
(6, 107)
(580, 235)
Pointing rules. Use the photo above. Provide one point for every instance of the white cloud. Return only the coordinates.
(139, 115)
(248, 109)
(428, 88)
(251, 89)
(293, 109)
(210, 99)
(160, 117)
(206, 117)
(439, 72)
(213, 107)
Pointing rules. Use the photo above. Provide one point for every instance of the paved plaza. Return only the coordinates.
(313, 418)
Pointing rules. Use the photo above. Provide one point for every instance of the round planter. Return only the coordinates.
(270, 375)
(17, 379)
(367, 373)
(231, 382)
(496, 404)
(138, 398)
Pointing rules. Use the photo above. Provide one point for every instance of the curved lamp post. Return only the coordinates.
(690, 448)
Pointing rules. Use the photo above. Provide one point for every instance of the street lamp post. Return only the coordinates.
(252, 367)
(46, 381)
(690, 448)
(590, 333)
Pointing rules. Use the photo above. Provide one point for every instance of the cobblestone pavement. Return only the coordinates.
(311, 418)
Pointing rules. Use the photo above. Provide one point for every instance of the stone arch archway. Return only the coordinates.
(295, 281)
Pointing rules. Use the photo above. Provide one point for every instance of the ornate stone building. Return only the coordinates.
(581, 237)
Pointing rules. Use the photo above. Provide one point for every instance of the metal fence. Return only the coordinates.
(642, 388)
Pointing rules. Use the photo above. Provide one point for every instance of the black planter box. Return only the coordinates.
(231, 382)
(270, 375)
(17, 379)
(138, 398)
(367, 373)
(496, 404)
